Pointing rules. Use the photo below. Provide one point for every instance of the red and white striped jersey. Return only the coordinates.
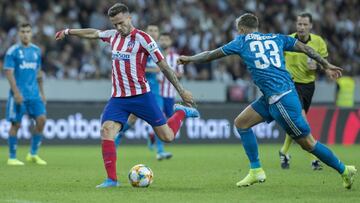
(166, 88)
(129, 56)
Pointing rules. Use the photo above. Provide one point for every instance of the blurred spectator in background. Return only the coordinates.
(345, 90)
(196, 26)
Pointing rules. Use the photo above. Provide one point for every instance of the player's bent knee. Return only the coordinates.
(164, 133)
(241, 123)
(165, 137)
(306, 148)
(40, 122)
(16, 126)
(108, 130)
(105, 131)
(306, 144)
(168, 139)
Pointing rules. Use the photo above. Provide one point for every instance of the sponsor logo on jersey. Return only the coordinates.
(28, 65)
(120, 55)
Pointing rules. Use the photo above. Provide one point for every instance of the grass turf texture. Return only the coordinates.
(197, 173)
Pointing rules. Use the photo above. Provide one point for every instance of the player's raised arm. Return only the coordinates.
(202, 57)
(88, 33)
(301, 47)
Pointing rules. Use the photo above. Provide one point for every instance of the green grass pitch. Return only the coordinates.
(197, 173)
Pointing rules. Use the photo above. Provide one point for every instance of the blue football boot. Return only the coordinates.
(189, 111)
(108, 183)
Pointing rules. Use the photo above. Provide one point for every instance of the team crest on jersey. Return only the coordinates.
(131, 44)
(21, 54)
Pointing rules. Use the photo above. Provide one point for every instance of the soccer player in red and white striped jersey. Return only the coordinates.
(130, 90)
(167, 90)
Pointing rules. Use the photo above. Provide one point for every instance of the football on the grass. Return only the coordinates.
(140, 176)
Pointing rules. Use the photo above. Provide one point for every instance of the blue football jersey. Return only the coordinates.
(26, 62)
(152, 77)
(263, 55)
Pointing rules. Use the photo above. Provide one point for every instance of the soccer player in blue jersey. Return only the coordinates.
(22, 65)
(263, 55)
(151, 74)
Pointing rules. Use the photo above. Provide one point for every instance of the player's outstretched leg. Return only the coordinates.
(287, 112)
(33, 156)
(108, 131)
(190, 112)
(328, 157)
(168, 131)
(12, 141)
(248, 118)
(181, 112)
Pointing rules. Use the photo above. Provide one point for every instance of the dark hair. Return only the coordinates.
(23, 24)
(248, 20)
(152, 23)
(306, 15)
(117, 8)
(165, 34)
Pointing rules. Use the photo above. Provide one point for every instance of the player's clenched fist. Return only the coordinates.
(183, 60)
(61, 34)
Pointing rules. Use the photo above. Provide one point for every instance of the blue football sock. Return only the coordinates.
(159, 144)
(35, 143)
(328, 157)
(249, 143)
(12, 141)
(119, 136)
(118, 139)
(125, 127)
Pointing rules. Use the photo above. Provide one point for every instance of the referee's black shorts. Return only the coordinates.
(305, 92)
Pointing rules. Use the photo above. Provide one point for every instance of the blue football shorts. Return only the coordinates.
(287, 112)
(34, 108)
(143, 106)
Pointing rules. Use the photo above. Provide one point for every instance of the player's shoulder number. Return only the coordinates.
(259, 48)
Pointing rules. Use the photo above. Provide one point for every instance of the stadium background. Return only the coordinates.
(77, 71)
(77, 87)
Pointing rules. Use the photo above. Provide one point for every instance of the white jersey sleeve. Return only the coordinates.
(107, 35)
(150, 46)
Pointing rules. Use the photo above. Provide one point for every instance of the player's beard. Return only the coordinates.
(25, 41)
(125, 33)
